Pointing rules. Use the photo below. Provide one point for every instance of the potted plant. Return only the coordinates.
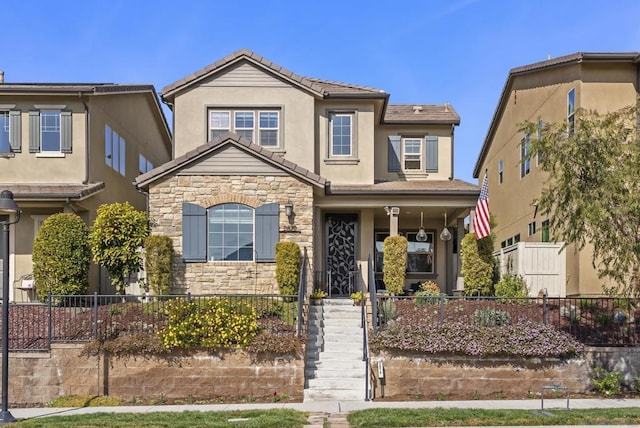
(317, 296)
(357, 298)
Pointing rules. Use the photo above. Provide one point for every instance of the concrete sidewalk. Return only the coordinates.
(336, 407)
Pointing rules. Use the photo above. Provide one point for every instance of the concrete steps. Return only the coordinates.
(334, 369)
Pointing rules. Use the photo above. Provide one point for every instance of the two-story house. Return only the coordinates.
(67, 147)
(264, 155)
(548, 91)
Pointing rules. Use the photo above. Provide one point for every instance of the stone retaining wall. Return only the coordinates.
(36, 378)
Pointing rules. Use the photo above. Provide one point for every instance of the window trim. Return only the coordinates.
(9, 150)
(253, 234)
(239, 130)
(420, 155)
(43, 113)
(332, 125)
(277, 128)
(351, 159)
(256, 111)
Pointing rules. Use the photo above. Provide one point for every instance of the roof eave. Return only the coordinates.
(422, 122)
(355, 192)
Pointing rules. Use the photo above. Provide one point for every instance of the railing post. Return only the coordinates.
(50, 326)
(95, 315)
(441, 308)
(544, 308)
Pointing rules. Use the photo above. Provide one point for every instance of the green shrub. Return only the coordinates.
(428, 294)
(491, 317)
(158, 261)
(512, 286)
(61, 256)
(606, 382)
(288, 267)
(387, 310)
(477, 266)
(211, 324)
(395, 263)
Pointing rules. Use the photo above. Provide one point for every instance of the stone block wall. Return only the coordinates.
(165, 208)
(37, 378)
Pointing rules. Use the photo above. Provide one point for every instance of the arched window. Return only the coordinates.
(230, 232)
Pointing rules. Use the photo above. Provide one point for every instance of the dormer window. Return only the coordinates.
(260, 126)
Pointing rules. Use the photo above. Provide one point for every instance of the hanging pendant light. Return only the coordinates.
(445, 235)
(421, 236)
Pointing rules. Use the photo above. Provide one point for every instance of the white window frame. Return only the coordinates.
(46, 113)
(222, 234)
(571, 111)
(218, 128)
(525, 161)
(334, 115)
(115, 150)
(266, 128)
(531, 228)
(412, 157)
(241, 130)
(8, 130)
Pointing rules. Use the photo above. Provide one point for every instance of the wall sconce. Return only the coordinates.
(421, 236)
(445, 235)
(288, 210)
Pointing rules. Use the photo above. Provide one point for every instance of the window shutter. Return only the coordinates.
(267, 235)
(34, 131)
(65, 132)
(432, 153)
(194, 233)
(15, 127)
(394, 153)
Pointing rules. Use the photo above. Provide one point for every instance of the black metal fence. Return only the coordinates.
(598, 321)
(83, 318)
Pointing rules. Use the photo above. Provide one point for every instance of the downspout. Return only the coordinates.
(86, 139)
(452, 152)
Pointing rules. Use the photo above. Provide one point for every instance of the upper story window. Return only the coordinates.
(265, 130)
(525, 161)
(114, 150)
(571, 111)
(230, 233)
(50, 131)
(500, 171)
(531, 229)
(341, 137)
(544, 232)
(144, 165)
(412, 154)
(5, 147)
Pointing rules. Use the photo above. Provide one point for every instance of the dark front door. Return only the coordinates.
(341, 270)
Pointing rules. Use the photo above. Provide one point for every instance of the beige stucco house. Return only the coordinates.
(71, 148)
(548, 91)
(255, 142)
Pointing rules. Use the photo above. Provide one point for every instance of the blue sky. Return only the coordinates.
(431, 52)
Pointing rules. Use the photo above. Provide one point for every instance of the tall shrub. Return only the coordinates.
(116, 236)
(61, 256)
(395, 263)
(288, 267)
(158, 261)
(477, 267)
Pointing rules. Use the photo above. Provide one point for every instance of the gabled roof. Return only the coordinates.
(49, 192)
(230, 139)
(576, 58)
(317, 87)
(421, 113)
(89, 89)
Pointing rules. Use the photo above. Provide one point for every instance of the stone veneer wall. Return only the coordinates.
(165, 207)
(464, 378)
(37, 378)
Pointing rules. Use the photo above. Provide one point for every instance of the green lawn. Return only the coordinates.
(277, 418)
(380, 418)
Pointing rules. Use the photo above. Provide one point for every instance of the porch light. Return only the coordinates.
(421, 236)
(445, 235)
(288, 209)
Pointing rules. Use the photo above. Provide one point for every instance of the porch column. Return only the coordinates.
(472, 214)
(458, 275)
(393, 213)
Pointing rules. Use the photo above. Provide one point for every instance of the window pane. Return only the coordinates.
(341, 135)
(269, 119)
(108, 156)
(269, 138)
(245, 134)
(220, 120)
(5, 147)
(115, 151)
(123, 156)
(50, 130)
(244, 119)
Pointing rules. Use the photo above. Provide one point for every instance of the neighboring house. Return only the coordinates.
(253, 141)
(67, 147)
(548, 91)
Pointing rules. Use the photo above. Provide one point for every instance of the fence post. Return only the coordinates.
(95, 315)
(189, 296)
(441, 308)
(50, 326)
(544, 308)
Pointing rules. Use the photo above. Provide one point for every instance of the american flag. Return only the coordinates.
(481, 219)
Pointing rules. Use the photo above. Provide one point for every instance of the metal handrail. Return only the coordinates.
(302, 286)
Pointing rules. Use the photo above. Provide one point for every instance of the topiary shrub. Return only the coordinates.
(288, 267)
(395, 263)
(61, 256)
(512, 286)
(477, 269)
(158, 261)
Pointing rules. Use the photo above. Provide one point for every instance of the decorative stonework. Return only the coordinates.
(165, 208)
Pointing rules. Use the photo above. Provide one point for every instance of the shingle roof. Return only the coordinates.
(319, 87)
(421, 113)
(578, 57)
(422, 187)
(230, 138)
(63, 191)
